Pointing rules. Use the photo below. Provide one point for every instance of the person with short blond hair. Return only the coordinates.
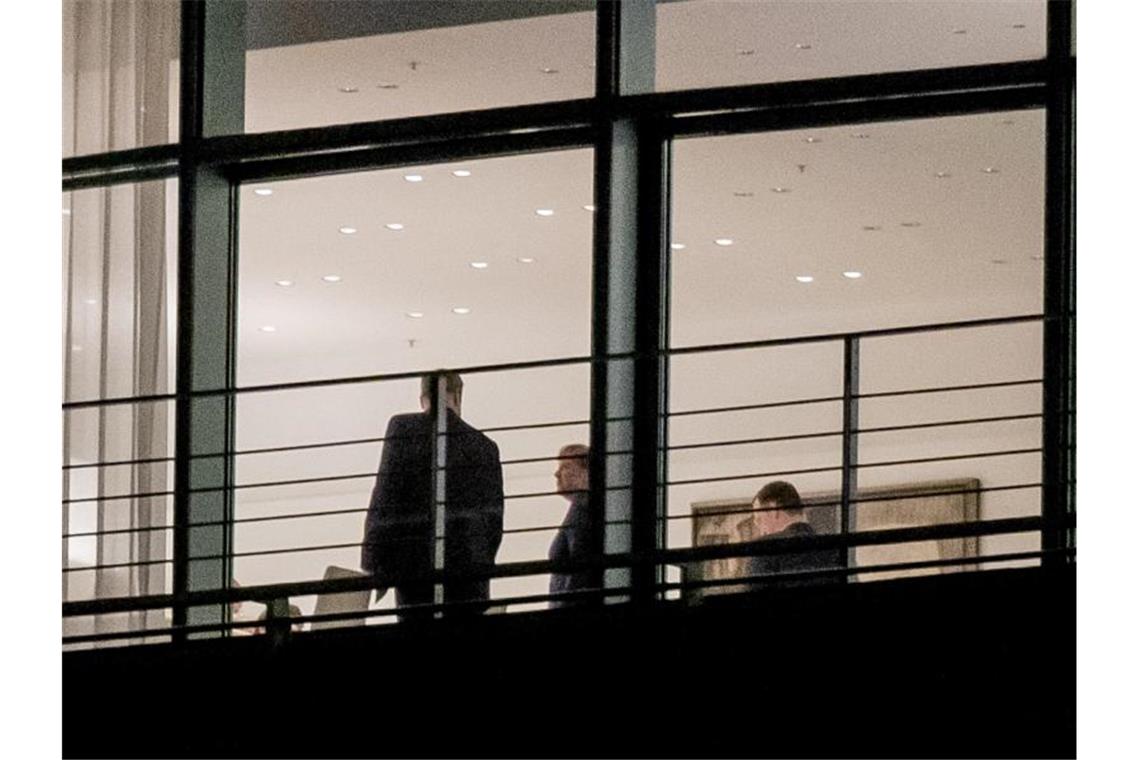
(580, 535)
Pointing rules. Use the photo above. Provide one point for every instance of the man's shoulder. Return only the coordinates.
(407, 423)
(475, 437)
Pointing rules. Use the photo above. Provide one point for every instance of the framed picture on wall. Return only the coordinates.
(729, 521)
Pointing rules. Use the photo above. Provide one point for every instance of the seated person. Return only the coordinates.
(780, 514)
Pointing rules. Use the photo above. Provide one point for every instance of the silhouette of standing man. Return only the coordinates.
(398, 530)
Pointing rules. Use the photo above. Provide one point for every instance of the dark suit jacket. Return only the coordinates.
(819, 559)
(398, 530)
(580, 537)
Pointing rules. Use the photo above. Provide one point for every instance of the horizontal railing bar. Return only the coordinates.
(531, 495)
(540, 567)
(862, 465)
(752, 580)
(531, 460)
(834, 433)
(883, 332)
(566, 596)
(947, 423)
(834, 399)
(543, 363)
(381, 439)
(950, 388)
(727, 512)
(350, 380)
(116, 565)
(118, 463)
(861, 500)
(772, 578)
(952, 457)
(751, 407)
(747, 441)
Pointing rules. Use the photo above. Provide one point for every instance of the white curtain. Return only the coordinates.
(119, 245)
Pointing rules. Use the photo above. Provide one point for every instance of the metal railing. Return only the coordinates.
(844, 541)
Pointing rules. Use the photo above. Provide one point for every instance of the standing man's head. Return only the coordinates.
(779, 505)
(573, 474)
(452, 390)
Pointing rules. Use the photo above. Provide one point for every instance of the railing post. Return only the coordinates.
(849, 491)
(438, 396)
(1058, 433)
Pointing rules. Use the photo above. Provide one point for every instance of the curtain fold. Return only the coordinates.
(119, 246)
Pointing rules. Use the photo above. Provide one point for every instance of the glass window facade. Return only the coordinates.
(865, 300)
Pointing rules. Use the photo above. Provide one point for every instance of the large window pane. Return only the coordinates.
(120, 74)
(712, 43)
(314, 63)
(407, 270)
(789, 235)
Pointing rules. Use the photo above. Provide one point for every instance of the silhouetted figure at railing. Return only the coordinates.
(781, 515)
(580, 537)
(398, 530)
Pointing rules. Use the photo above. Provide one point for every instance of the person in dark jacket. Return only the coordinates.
(780, 514)
(580, 536)
(398, 531)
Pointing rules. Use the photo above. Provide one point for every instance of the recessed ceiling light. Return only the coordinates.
(677, 246)
(414, 177)
(852, 275)
(942, 175)
(349, 90)
(812, 140)
(268, 328)
(285, 283)
(743, 194)
(525, 260)
(461, 310)
(911, 224)
(803, 46)
(415, 314)
(478, 264)
(76, 347)
(590, 207)
(67, 212)
(548, 70)
(461, 173)
(871, 228)
(724, 241)
(331, 278)
(348, 230)
(781, 190)
(388, 86)
(804, 278)
(544, 211)
(990, 170)
(860, 135)
(746, 51)
(1019, 26)
(960, 31)
(998, 261)
(90, 301)
(263, 191)
(394, 226)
